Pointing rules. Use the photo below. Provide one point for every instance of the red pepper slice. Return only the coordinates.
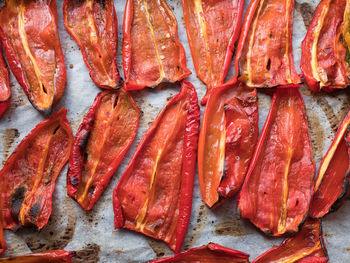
(152, 52)
(53, 256)
(264, 51)
(277, 190)
(212, 30)
(5, 91)
(331, 183)
(28, 30)
(154, 195)
(207, 253)
(29, 174)
(325, 60)
(227, 140)
(305, 246)
(94, 26)
(100, 144)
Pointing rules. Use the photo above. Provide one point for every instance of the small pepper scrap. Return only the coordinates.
(100, 144)
(264, 52)
(332, 180)
(154, 195)
(325, 53)
(53, 256)
(227, 140)
(94, 26)
(212, 30)
(207, 254)
(29, 174)
(28, 30)
(305, 246)
(5, 91)
(277, 191)
(152, 52)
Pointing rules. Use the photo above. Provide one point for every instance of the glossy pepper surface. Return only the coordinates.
(28, 30)
(325, 50)
(227, 140)
(212, 29)
(29, 174)
(152, 52)
(100, 144)
(5, 91)
(277, 191)
(54, 256)
(94, 26)
(264, 52)
(154, 195)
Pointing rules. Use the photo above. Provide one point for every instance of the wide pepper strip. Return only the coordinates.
(53, 256)
(29, 174)
(277, 191)
(100, 144)
(325, 49)
(212, 30)
(207, 253)
(305, 246)
(227, 140)
(332, 179)
(154, 195)
(94, 26)
(28, 30)
(5, 91)
(152, 52)
(264, 52)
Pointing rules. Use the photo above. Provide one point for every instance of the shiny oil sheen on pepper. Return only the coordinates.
(53, 256)
(5, 91)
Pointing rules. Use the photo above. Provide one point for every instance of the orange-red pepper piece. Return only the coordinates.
(53, 256)
(5, 91)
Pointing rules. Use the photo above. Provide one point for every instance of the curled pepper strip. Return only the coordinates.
(212, 30)
(332, 179)
(264, 52)
(30, 173)
(152, 52)
(325, 50)
(5, 91)
(277, 191)
(100, 144)
(94, 26)
(154, 195)
(53, 256)
(227, 140)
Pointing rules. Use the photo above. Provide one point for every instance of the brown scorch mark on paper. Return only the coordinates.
(8, 139)
(88, 254)
(306, 11)
(328, 111)
(159, 247)
(316, 135)
(231, 227)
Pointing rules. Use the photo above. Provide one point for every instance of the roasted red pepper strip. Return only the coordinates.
(152, 52)
(331, 183)
(28, 30)
(207, 253)
(227, 140)
(29, 174)
(154, 195)
(212, 29)
(325, 50)
(54, 256)
(100, 144)
(5, 91)
(277, 190)
(264, 52)
(94, 26)
(305, 246)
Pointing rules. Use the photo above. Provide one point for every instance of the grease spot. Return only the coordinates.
(88, 254)
(9, 137)
(306, 11)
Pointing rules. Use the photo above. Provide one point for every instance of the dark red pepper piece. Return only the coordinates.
(5, 91)
(54, 256)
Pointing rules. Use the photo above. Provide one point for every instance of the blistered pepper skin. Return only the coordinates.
(5, 91)
(53, 256)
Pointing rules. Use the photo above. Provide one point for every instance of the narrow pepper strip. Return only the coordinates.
(154, 195)
(100, 144)
(227, 140)
(53, 256)
(5, 91)
(277, 191)
(152, 52)
(29, 32)
(212, 30)
(29, 174)
(94, 26)
(325, 50)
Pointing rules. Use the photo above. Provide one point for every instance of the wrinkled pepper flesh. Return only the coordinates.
(29, 174)
(325, 59)
(227, 140)
(28, 30)
(154, 195)
(305, 246)
(94, 26)
(212, 29)
(100, 144)
(53, 256)
(264, 52)
(5, 91)
(277, 191)
(152, 52)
